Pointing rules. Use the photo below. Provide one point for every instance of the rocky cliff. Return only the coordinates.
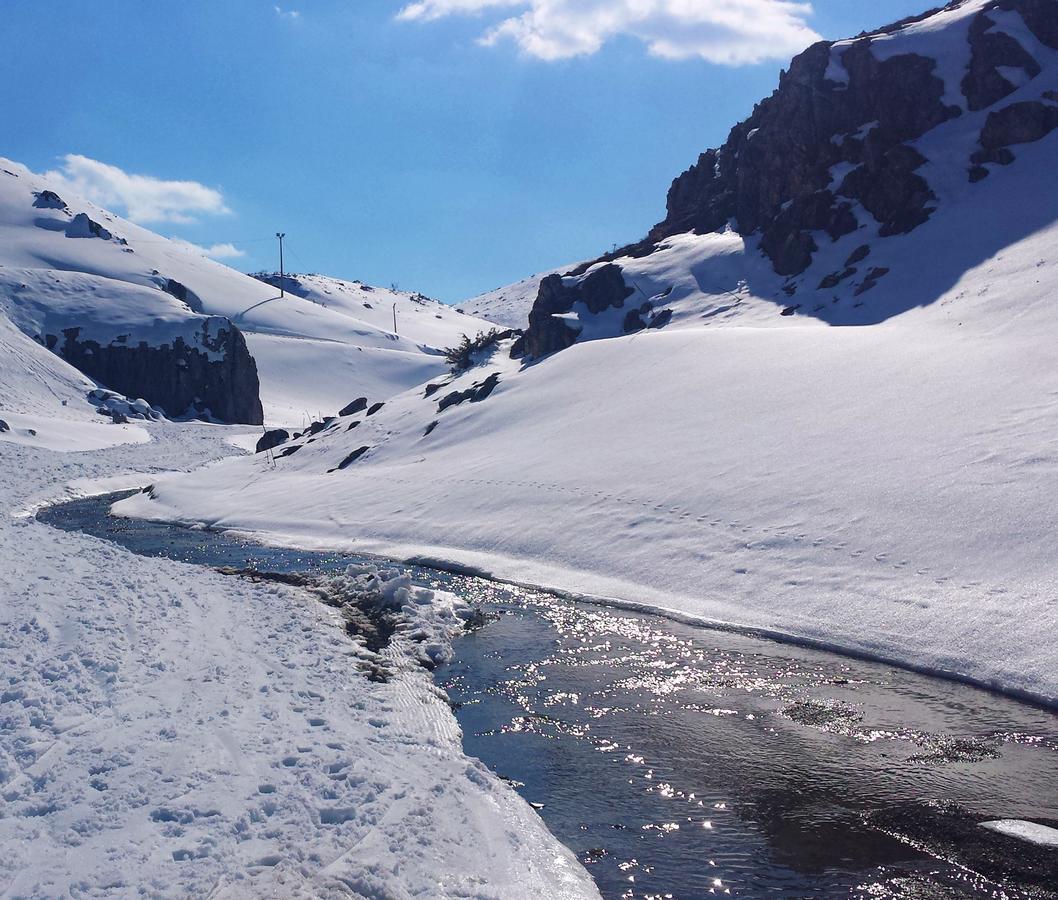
(841, 146)
(207, 371)
(835, 136)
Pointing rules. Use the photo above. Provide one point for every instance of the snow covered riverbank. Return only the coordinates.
(171, 731)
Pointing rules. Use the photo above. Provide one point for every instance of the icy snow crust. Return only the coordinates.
(170, 731)
(888, 489)
(313, 355)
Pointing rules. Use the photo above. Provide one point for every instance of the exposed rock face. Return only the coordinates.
(839, 104)
(602, 289)
(1019, 123)
(209, 370)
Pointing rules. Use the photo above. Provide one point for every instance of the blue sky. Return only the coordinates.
(397, 148)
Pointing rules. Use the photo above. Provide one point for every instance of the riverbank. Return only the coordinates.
(175, 731)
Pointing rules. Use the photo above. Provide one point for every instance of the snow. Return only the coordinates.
(291, 338)
(171, 731)
(887, 489)
(509, 305)
(1032, 832)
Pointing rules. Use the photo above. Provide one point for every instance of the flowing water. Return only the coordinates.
(682, 762)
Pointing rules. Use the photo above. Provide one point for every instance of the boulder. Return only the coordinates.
(1019, 123)
(358, 405)
(272, 439)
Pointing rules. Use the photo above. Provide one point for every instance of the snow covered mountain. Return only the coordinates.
(708, 441)
(67, 263)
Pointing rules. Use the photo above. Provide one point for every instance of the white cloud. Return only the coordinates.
(291, 14)
(729, 32)
(141, 198)
(216, 251)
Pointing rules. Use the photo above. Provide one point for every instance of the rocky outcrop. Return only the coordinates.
(83, 227)
(207, 370)
(48, 200)
(272, 439)
(1019, 123)
(603, 288)
(840, 106)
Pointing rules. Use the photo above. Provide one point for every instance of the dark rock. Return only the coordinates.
(991, 50)
(633, 321)
(835, 278)
(375, 407)
(352, 457)
(430, 428)
(359, 404)
(772, 173)
(474, 394)
(317, 427)
(353, 425)
(1003, 156)
(4, 426)
(858, 255)
(978, 173)
(604, 288)
(288, 451)
(272, 439)
(182, 293)
(660, 319)
(1019, 123)
(83, 227)
(211, 369)
(1039, 16)
(119, 418)
(891, 191)
(432, 389)
(790, 310)
(48, 200)
(871, 279)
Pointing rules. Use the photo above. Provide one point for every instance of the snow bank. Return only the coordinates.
(168, 730)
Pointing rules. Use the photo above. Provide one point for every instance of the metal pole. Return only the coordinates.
(281, 236)
(394, 317)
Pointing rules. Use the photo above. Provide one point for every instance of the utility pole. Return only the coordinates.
(281, 235)
(394, 317)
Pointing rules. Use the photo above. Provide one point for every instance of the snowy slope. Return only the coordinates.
(310, 357)
(508, 305)
(43, 402)
(888, 488)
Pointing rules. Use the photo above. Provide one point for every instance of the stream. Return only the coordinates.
(682, 762)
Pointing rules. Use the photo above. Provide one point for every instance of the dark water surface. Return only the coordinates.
(687, 763)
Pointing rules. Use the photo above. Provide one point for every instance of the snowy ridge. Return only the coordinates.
(311, 358)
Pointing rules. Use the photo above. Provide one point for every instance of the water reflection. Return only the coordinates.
(685, 763)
